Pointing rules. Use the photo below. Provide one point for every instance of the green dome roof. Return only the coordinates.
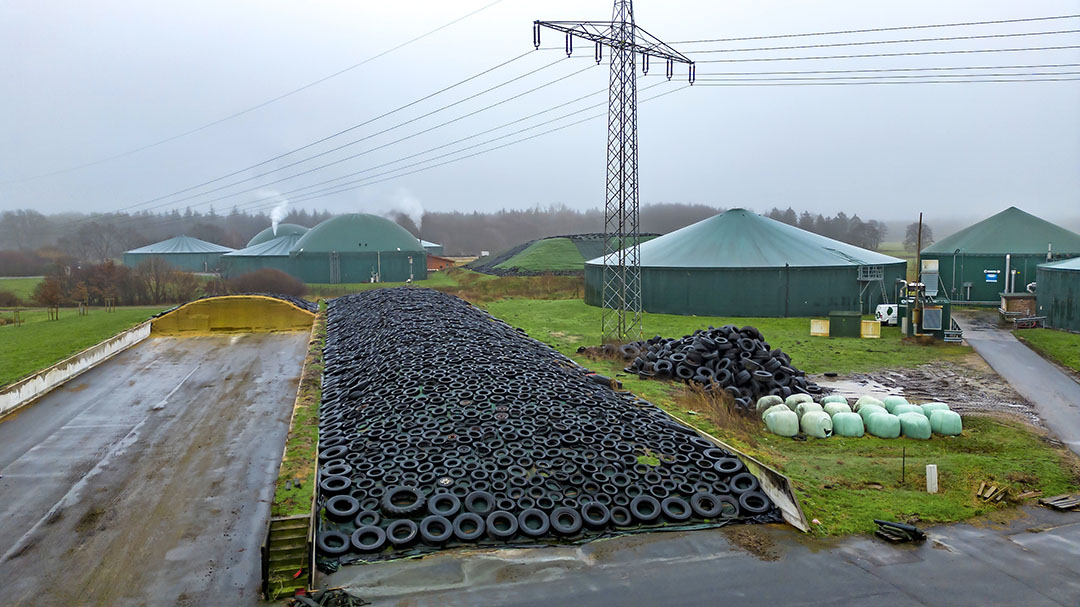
(282, 230)
(1010, 231)
(181, 244)
(743, 239)
(357, 233)
(1066, 265)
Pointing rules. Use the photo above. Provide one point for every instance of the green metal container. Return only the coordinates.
(1058, 294)
(845, 323)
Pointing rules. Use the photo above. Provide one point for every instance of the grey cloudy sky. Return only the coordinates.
(86, 80)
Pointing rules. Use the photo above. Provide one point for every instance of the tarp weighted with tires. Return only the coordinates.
(739, 263)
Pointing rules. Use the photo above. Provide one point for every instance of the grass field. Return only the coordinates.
(896, 249)
(843, 482)
(435, 280)
(548, 255)
(567, 324)
(1059, 346)
(39, 342)
(475, 287)
(22, 286)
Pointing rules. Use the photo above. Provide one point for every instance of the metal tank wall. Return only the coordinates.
(191, 262)
(977, 268)
(1058, 298)
(358, 267)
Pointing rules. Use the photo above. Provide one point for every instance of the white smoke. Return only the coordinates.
(408, 205)
(279, 211)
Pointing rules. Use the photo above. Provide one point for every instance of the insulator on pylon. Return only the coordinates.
(693, 73)
(536, 34)
(644, 63)
(569, 45)
(599, 52)
(670, 69)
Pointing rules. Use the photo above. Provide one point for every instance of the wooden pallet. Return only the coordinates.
(1062, 502)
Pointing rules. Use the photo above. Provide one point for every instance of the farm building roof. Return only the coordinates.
(743, 239)
(282, 230)
(181, 244)
(1067, 265)
(276, 247)
(1010, 231)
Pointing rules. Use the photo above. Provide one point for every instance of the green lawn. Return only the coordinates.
(22, 287)
(1059, 346)
(843, 482)
(567, 324)
(40, 342)
(434, 280)
(548, 255)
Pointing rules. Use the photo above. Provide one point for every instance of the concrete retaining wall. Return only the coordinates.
(26, 390)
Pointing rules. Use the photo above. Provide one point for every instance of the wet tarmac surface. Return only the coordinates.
(1032, 561)
(147, 480)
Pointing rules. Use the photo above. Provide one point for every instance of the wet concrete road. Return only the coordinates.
(1034, 561)
(147, 480)
(1055, 394)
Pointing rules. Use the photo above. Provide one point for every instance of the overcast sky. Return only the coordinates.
(83, 81)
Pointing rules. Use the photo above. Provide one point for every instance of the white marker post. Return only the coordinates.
(931, 478)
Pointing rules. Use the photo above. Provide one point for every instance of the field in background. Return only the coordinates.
(896, 249)
(844, 483)
(1059, 346)
(22, 286)
(39, 342)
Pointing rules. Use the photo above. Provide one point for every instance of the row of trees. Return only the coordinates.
(852, 230)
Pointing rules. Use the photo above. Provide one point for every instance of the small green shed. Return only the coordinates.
(972, 262)
(182, 252)
(1057, 292)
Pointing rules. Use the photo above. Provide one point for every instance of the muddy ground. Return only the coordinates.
(968, 386)
(147, 480)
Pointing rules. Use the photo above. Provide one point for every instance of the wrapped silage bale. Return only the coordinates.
(833, 398)
(783, 423)
(868, 400)
(794, 400)
(866, 411)
(883, 425)
(774, 409)
(817, 424)
(803, 408)
(914, 425)
(767, 401)
(946, 423)
(892, 402)
(929, 408)
(833, 408)
(905, 408)
(847, 424)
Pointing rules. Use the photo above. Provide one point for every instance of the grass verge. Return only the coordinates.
(297, 471)
(39, 343)
(22, 287)
(1061, 347)
(567, 324)
(842, 482)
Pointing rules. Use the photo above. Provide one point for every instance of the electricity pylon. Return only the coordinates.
(621, 296)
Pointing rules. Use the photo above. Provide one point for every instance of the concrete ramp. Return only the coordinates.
(233, 314)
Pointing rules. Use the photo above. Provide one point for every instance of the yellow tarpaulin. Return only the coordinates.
(233, 314)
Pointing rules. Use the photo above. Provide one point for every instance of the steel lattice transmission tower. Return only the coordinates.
(621, 297)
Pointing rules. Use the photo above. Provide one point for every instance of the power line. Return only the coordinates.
(886, 82)
(388, 129)
(367, 151)
(906, 54)
(879, 29)
(251, 108)
(873, 42)
(343, 131)
(895, 69)
(1007, 74)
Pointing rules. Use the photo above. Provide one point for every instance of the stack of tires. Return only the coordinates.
(891, 417)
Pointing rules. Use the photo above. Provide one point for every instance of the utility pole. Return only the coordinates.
(621, 297)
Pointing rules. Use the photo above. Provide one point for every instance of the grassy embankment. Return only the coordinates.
(896, 249)
(842, 482)
(1059, 346)
(297, 470)
(22, 287)
(473, 286)
(39, 342)
(547, 255)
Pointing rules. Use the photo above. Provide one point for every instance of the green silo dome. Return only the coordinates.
(357, 233)
(283, 229)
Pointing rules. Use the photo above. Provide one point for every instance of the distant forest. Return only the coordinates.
(30, 240)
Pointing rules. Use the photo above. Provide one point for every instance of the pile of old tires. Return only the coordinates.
(890, 417)
(442, 426)
(737, 361)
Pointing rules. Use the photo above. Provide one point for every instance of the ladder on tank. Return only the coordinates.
(869, 275)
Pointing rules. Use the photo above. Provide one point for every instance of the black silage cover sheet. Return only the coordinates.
(425, 393)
